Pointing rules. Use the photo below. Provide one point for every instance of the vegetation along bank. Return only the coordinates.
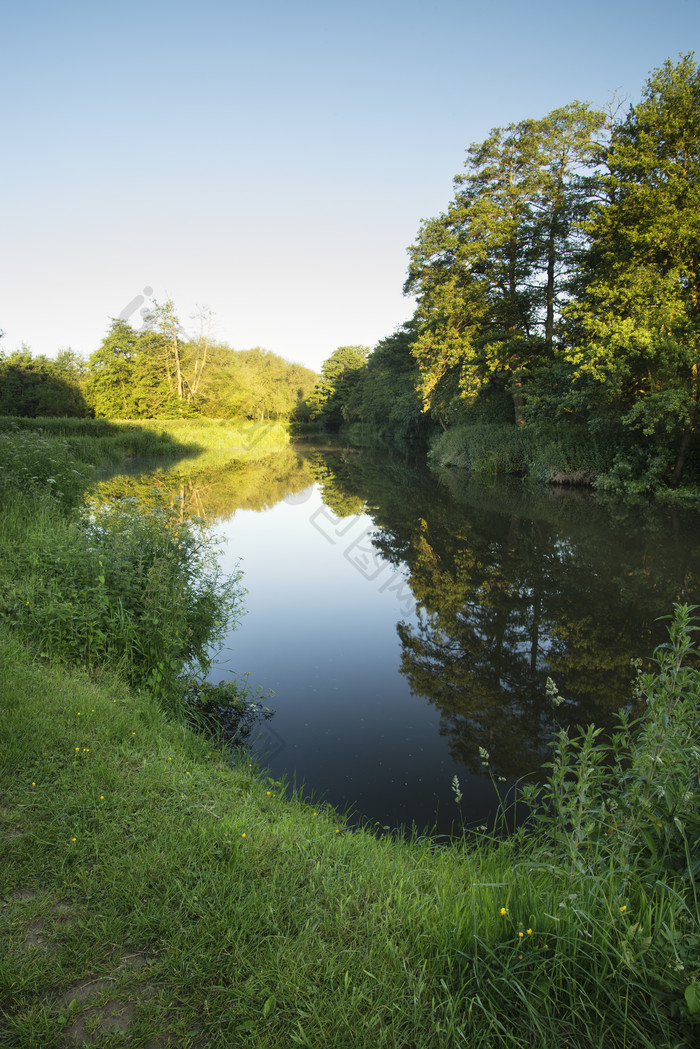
(156, 890)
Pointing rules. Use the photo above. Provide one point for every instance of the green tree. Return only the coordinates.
(490, 273)
(110, 383)
(386, 393)
(329, 399)
(636, 322)
(39, 386)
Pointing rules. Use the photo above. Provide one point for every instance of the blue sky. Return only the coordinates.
(270, 160)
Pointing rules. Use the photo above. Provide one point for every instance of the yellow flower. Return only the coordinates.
(33, 783)
(268, 792)
(77, 748)
(529, 932)
(622, 910)
(243, 834)
(521, 934)
(74, 839)
(503, 911)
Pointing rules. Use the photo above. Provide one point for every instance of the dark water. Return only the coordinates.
(405, 619)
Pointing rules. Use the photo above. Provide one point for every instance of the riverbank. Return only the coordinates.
(564, 454)
(153, 890)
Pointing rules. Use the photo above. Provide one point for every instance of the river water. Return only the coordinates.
(407, 620)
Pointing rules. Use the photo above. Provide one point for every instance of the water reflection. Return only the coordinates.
(407, 618)
(514, 586)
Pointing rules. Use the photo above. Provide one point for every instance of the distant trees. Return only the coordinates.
(155, 372)
(32, 386)
(330, 399)
(158, 372)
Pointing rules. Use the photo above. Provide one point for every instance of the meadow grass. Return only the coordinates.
(157, 891)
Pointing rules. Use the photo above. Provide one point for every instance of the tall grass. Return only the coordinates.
(560, 454)
(112, 586)
(260, 920)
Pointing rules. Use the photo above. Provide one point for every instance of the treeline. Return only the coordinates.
(155, 373)
(559, 291)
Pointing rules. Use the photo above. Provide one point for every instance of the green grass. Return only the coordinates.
(142, 869)
(154, 893)
(559, 454)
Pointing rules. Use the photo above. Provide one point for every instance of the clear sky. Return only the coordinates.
(270, 159)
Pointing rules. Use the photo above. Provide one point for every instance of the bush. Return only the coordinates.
(118, 588)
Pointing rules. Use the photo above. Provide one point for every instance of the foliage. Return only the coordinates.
(37, 386)
(34, 464)
(330, 399)
(564, 274)
(159, 373)
(621, 818)
(636, 319)
(490, 273)
(385, 394)
(111, 586)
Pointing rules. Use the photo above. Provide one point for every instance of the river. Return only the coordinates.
(407, 620)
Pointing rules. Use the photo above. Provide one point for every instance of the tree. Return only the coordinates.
(329, 399)
(489, 274)
(110, 385)
(38, 386)
(636, 324)
(386, 393)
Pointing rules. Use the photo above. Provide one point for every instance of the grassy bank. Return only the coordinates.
(156, 894)
(105, 441)
(607, 459)
(566, 454)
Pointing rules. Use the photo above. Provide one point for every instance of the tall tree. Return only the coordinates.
(637, 319)
(110, 385)
(330, 397)
(489, 273)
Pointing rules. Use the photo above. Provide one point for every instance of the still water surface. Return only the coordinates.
(406, 618)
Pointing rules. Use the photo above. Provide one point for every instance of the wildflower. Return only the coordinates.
(521, 934)
(33, 783)
(102, 797)
(77, 748)
(243, 834)
(622, 910)
(503, 911)
(268, 792)
(187, 773)
(484, 755)
(529, 932)
(74, 839)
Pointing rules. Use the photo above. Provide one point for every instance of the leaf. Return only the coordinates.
(269, 1006)
(692, 998)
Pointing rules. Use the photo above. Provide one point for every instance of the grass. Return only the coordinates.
(560, 454)
(189, 896)
(156, 893)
